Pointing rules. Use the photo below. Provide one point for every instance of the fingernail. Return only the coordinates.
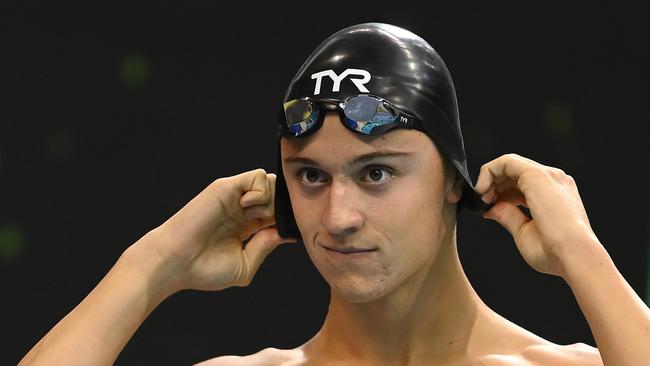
(489, 197)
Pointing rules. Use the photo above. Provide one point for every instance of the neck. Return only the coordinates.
(432, 316)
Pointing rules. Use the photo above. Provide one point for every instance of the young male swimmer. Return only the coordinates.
(371, 177)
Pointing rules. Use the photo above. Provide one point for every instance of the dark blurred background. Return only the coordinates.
(111, 119)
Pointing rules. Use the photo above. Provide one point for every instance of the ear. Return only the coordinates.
(454, 189)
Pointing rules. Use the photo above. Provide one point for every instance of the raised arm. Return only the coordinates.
(558, 240)
(98, 328)
(618, 318)
(200, 247)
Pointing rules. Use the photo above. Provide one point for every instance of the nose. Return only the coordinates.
(342, 215)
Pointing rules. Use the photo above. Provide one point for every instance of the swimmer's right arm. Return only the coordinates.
(200, 247)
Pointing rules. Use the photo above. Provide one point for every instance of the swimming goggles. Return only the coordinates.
(365, 114)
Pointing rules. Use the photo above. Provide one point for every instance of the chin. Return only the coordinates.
(359, 280)
(359, 289)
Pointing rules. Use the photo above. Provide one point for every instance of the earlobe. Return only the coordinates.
(456, 190)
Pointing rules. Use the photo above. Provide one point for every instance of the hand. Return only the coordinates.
(559, 226)
(202, 244)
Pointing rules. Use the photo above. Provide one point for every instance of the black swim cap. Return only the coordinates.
(392, 63)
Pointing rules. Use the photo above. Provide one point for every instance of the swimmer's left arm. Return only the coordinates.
(559, 240)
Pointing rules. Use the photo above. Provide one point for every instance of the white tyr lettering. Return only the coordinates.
(359, 83)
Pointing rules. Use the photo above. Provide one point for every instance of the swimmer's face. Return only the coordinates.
(393, 205)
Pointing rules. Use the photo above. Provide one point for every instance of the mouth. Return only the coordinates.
(349, 252)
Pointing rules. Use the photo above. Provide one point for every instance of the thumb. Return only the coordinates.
(262, 244)
(507, 215)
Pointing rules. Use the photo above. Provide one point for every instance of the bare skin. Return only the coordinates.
(410, 303)
(406, 302)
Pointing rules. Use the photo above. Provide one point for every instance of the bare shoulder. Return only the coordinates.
(266, 357)
(549, 354)
(578, 354)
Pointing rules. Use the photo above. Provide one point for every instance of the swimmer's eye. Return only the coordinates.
(376, 172)
(311, 177)
(378, 175)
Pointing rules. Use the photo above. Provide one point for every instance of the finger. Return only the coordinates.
(271, 178)
(509, 192)
(261, 245)
(505, 192)
(509, 166)
(257, 218)
(258, 211)
(252, 209)
(509, 216)
(254, 186)
(512, 196)
(490, 196)
(266, 212)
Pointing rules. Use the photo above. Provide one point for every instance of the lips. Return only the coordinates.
(349, 250)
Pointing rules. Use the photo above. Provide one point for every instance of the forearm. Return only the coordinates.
(95, 332)
(618, 318)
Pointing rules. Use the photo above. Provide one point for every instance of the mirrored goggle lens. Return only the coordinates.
(300, 115)
(363, 113)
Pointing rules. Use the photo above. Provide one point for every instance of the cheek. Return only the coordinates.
(306, 210)
(412, 225)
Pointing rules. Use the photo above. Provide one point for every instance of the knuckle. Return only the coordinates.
(568, 179)
(219, 182)
(556, 173)
(550, 173)
(538, 168)
(539, 173)
(536, 172)
(532, 174)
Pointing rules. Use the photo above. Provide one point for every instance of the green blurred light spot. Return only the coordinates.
(62, 145)
(558, 119)
(134, 71)
(11, 242)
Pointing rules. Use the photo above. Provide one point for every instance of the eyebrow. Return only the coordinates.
(356, 160)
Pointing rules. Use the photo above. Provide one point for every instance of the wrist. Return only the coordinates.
(582, 258)
(160, 274)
